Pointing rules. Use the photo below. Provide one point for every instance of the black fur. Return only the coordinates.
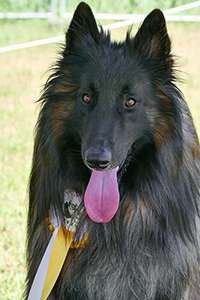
(150, 249)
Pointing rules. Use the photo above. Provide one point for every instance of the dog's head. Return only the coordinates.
(112, 99)
(116, 84)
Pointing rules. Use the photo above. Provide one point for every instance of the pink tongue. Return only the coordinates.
(102, 196)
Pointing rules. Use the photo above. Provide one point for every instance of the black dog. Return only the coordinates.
(115, 130)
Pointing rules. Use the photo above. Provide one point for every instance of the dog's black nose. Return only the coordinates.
(98, 159)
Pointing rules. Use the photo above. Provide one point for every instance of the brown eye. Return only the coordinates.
(86, 98)
(130, 102)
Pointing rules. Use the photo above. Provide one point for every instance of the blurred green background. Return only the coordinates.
(103, 6)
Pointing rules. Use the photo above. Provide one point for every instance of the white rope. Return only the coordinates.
(140, 18)
(133, 19)
(182, 8)
(32, 44)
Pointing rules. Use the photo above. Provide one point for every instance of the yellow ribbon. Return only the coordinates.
(59, 252)
(63, 242)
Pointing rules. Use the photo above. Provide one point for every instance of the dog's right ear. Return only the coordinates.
(152, 37)
(83, 23)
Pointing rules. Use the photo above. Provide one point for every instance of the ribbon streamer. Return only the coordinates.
(51, 263)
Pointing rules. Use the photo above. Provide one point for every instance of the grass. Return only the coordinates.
(22, 74)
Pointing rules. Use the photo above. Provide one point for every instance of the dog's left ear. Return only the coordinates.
(152, 37)
(83, 23)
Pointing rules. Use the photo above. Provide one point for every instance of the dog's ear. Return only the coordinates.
(83, 23)
(152, 37)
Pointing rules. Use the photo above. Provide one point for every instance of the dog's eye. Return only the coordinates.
(130, 102)
(86, 98)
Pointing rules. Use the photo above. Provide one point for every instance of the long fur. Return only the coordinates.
(150, 249)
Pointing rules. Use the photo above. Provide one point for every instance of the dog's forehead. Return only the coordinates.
(113, 71)
(110, 66)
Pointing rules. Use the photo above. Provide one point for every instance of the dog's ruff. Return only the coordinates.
(60, 243)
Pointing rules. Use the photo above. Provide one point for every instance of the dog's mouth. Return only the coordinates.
(102, 197)
(124, 165)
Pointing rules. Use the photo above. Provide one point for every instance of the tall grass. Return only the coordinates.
(22, 74)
